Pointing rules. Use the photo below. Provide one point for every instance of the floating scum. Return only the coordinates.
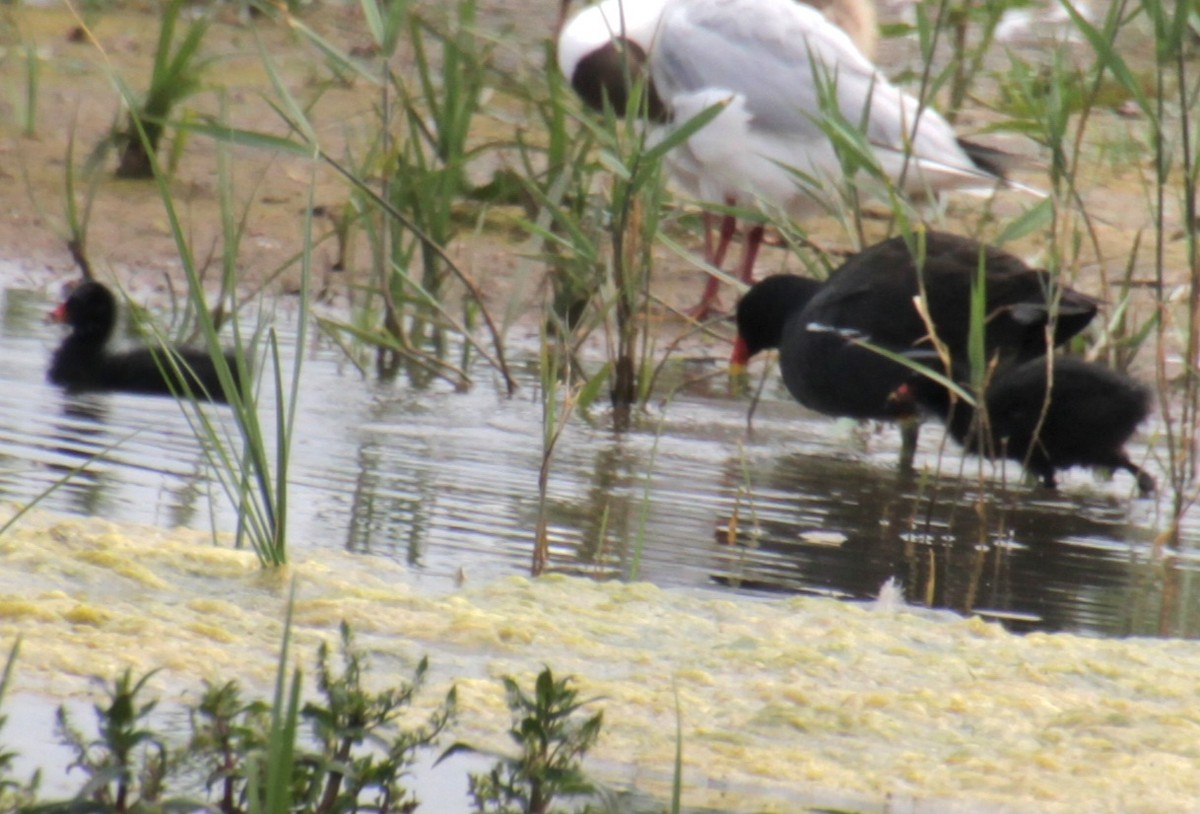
(782, 701)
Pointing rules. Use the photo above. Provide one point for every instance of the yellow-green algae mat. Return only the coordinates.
(782, 700)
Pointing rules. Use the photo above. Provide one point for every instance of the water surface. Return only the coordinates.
(446, 482)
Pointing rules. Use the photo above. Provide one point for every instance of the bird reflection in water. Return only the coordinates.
(822, 525)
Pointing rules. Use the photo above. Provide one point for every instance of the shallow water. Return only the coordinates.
(445, 482)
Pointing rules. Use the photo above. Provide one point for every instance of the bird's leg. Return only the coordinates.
(1145, 481)
(754, 241)
(710, 226)
(715, 257)
(724, 238)
(910, 428)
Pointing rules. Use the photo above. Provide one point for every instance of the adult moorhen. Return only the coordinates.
(819, 327)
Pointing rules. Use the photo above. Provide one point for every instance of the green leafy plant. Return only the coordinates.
(349, 752)
(127, 764)
(344, 774)
(552, 735)
(226, 730)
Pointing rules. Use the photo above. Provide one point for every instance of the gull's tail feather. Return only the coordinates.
(990, 159)
(1000, 164)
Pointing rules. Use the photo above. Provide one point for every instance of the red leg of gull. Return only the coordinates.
(754, 241)
(715, 257)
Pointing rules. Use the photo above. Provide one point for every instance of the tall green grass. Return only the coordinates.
(270, 771)
(601, 230)
(29, 106)
(1069, 106)
(251, 463)
(175, 75)
(1171, 113)
(410, 219)
(561, 397)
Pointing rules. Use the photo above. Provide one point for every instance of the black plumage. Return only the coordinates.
(1047, 414)
(817, 327)
(84, 362)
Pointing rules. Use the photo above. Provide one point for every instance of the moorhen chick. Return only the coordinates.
(84, 362)
(1090, 414)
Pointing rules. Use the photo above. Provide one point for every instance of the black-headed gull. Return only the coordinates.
(768, 62)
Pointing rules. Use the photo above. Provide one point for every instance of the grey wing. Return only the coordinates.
(766, 51)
